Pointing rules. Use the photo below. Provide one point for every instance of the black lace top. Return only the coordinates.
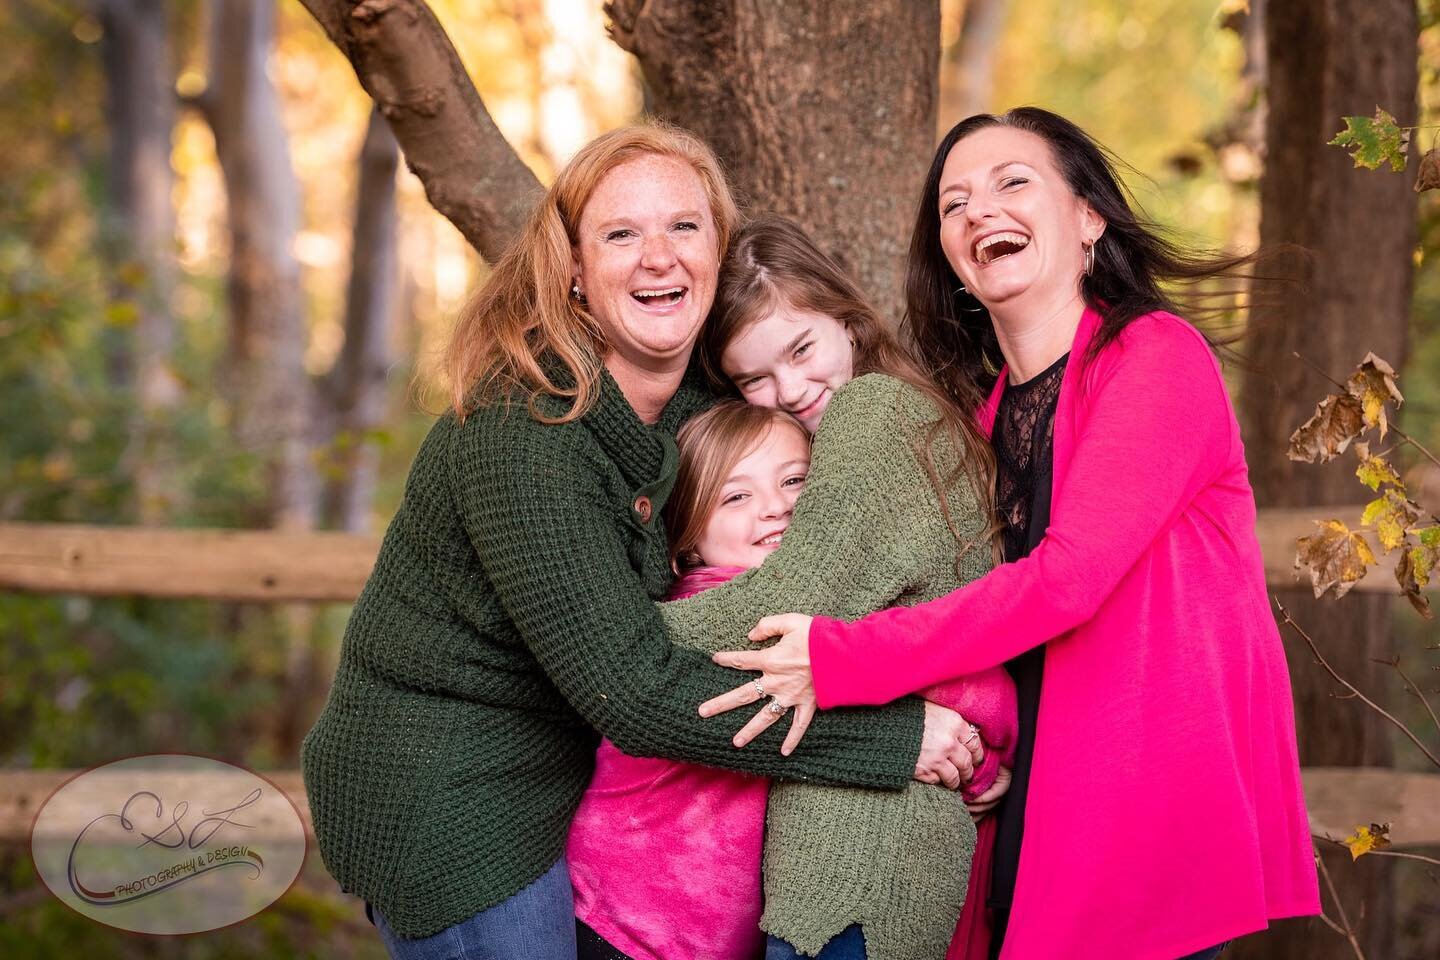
(1024, 453)
(1024, 433)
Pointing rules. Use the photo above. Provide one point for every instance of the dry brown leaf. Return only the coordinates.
(1335, 557)
(1412, 573)
(1338, 419)
(1429, 176)
(1373, 383)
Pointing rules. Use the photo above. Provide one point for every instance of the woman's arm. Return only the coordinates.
(534, 505)
(1159, 429)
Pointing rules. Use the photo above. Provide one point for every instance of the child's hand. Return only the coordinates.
(991, 798)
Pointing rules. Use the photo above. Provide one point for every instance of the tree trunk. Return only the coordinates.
(266, 373)
(141, 237)
(356, 387)
(1326, 59)
(970, 63)
(823, 112)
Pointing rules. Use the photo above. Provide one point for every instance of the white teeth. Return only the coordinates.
(774, 538)
(1018, 239)
(648, 294)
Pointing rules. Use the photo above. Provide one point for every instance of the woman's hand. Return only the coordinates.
(991, 798)
(949, 749)
(784, 679)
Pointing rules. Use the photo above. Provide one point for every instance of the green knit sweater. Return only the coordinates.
(508, 617)
(868, 533)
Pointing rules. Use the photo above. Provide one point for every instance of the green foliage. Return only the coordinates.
(1373, 141)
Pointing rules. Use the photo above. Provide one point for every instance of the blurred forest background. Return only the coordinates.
(221, 291)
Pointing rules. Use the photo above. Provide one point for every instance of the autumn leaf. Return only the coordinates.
(1374, 471)
(1364, 839)
(1391, 515)
(1429, 176)
(1412, 573)
(1375, 140)
(1335, 557)
(1338, 419)
(1373, 383)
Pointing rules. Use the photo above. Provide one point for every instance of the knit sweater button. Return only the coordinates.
(642, 508)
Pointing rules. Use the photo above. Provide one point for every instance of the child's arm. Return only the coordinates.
(863, 533)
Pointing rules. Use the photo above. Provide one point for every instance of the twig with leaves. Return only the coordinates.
(1337, 557)
(1378, 140)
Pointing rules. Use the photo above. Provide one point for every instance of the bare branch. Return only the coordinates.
(1414, 688)
(405, 61)
(1332, 924)
(1399, 724)
(1343, 928)
(1379, 853)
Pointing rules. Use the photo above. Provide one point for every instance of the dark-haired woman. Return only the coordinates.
(1157, 808)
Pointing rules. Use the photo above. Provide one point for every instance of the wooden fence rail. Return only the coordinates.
(1338, 798)
(277, 566)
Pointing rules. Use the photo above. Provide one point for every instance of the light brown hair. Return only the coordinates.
(711, 443)
(774, 263)
(524, 319)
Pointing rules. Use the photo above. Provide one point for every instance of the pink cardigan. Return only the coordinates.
(1165, 812)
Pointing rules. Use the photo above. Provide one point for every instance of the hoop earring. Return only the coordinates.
(962, 290)
(1089, 258)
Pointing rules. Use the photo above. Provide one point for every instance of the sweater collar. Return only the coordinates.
(642, 453)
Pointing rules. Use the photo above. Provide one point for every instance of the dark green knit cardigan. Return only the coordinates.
(509, 616)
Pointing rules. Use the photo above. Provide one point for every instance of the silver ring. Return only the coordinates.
(775, 706)
(973, 736)
(759, 690)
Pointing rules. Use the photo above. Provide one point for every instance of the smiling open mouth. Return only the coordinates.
(770, 541)
(997, 246)
(667, 297)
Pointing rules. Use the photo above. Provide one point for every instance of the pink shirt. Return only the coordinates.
(664, 857)
(1165, 812)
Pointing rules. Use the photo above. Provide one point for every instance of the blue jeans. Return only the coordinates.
(1209, 953)
(848, 944)
(538, 923)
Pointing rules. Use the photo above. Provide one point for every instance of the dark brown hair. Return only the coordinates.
(774, 263)
(711, 443)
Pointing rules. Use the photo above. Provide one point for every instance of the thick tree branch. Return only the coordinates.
(405, 61)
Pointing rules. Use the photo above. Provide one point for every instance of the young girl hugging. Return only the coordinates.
(892, 514)
(664, 857)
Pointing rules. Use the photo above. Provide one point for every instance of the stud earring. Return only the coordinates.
(576, 292)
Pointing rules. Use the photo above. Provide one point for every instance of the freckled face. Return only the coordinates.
(792, 359)
(1009, 224)
(647, 258)
(757, 501)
